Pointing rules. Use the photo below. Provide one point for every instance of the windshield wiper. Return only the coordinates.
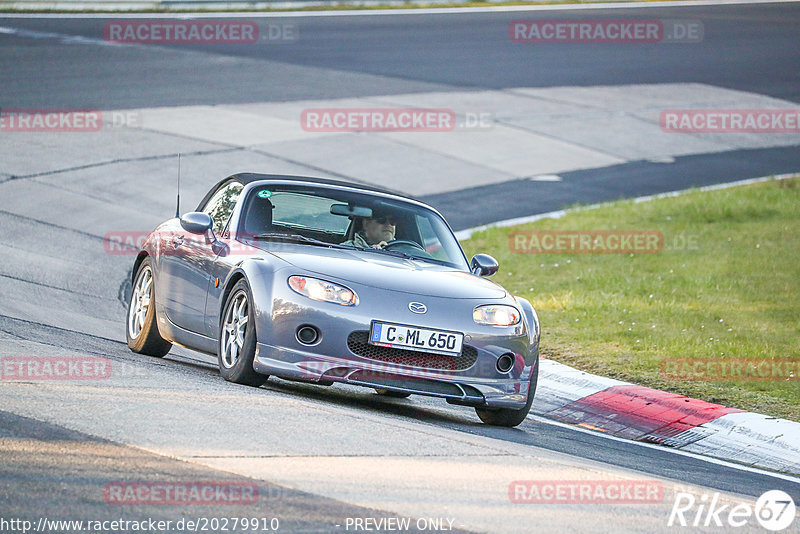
(295, 238)
(405, 255)
(389, 252)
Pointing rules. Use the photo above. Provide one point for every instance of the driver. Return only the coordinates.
(378, 230)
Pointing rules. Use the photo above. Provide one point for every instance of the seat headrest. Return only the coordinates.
(258, 219)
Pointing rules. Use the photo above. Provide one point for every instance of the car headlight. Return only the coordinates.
(496, 315)
(323, 291)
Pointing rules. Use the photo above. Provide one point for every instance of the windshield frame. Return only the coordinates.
(312, 186)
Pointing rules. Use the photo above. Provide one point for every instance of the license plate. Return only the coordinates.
(413, 337)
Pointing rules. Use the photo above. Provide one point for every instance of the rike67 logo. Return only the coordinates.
(774, 510)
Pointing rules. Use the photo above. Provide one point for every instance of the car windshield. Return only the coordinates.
(341, 218)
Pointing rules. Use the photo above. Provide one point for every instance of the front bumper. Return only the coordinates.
(472, 379)
(456, 388)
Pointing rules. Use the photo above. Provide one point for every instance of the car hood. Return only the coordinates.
(392, 273)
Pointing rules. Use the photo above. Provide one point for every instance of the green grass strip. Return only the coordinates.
(725, 289)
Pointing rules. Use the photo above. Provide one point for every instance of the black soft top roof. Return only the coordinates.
(248, 177)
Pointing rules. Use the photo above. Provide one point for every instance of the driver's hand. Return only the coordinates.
(380, 245)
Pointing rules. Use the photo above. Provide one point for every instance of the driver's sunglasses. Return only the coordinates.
(383, 219)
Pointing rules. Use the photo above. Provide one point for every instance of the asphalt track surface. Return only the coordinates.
(51, 304)
(749, 48)
(746, 48)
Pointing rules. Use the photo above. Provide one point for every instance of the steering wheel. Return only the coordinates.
(401, 242)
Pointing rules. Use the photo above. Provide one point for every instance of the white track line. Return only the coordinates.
(710, 459)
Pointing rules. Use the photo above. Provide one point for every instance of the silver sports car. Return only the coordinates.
(322, 281)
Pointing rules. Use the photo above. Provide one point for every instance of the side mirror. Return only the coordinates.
(483, 265)
(196, 222)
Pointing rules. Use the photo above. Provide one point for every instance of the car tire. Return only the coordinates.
(141, 327)
(393, 394)
(509, 417)
(236, 348)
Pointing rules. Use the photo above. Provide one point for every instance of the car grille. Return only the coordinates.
(358, 343)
